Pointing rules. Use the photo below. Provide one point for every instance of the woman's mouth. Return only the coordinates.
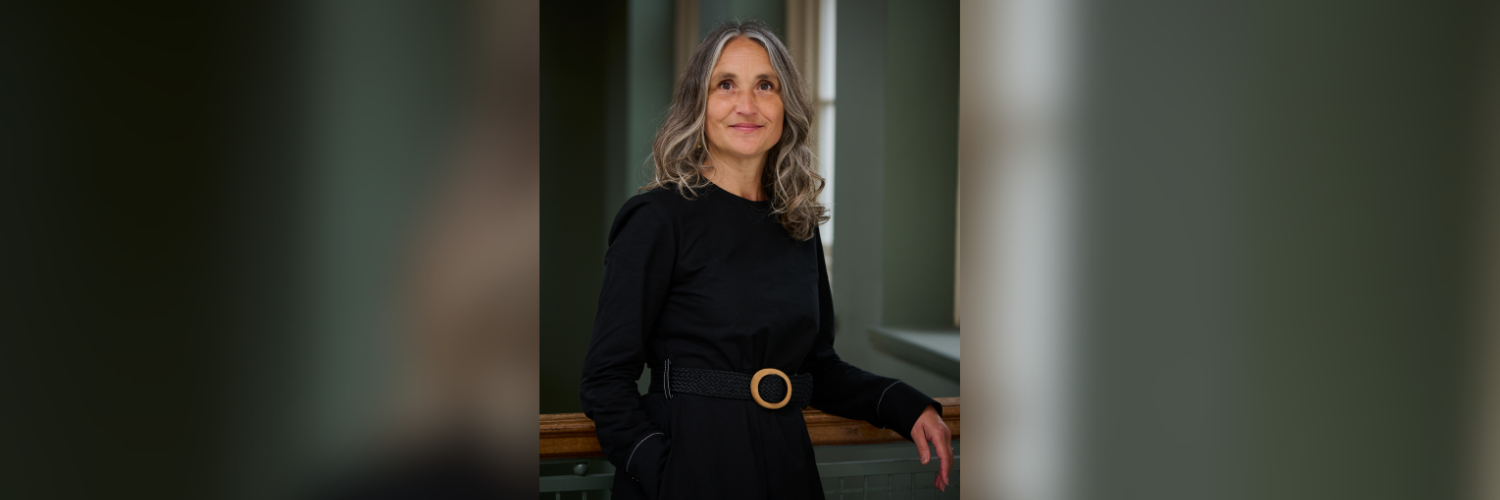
(745, 127)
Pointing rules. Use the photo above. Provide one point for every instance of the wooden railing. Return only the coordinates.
(571, 435)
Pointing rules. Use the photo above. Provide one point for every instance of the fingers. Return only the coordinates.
(919, 436)
(945, 453)
(945, 459)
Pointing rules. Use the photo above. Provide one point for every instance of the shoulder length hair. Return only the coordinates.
(790, 175)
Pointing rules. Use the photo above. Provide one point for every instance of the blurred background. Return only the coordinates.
(338, 249)
(280, 249)
(1230, 250)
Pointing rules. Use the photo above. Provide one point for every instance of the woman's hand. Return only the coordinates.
(930, 427)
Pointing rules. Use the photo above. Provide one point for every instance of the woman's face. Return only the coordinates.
(744, 102)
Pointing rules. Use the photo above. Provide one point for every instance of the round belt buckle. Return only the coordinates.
(755, 388)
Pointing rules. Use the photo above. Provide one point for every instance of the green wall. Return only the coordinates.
(1277, 216)
(921, 158)
(896, 144)
(772, 12)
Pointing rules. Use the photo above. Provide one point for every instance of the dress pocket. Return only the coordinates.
(657, 409)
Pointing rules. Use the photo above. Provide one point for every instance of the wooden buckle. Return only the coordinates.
(755, 388)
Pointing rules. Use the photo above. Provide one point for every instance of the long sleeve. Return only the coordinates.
(847, 391)
(637, 274)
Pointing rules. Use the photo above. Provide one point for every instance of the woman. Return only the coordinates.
(715, 278)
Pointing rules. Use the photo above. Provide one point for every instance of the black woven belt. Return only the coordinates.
(671, 381)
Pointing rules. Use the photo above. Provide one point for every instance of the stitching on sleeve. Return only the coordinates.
(882, 397)
(637, 447)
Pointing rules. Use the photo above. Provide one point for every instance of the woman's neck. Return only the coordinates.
(742, 179)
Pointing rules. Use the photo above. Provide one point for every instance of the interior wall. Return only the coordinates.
(1277, 249)
(772, 12)
(896, 144)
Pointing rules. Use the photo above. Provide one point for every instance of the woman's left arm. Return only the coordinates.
(847, 391)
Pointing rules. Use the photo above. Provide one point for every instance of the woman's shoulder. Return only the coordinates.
(659, 207)
(664, 199)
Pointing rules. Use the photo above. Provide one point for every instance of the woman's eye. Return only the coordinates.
(725, 85)
(766, 86)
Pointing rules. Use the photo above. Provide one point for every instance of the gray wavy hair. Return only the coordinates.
(791, 175)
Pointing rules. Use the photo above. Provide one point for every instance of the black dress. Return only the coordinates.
(716, 283)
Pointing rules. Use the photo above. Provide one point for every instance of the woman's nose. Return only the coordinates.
(745, 104)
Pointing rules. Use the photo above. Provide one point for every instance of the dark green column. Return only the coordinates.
(649, 92)
(583, 116)
(597, 128)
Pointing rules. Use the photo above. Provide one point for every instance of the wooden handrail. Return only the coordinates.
(571, 435)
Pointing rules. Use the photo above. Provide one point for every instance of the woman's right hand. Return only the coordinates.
(930, 426)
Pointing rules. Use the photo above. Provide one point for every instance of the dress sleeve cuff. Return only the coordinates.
(901, 405)
(646, 462)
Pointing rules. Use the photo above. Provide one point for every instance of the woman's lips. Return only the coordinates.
(745, 127)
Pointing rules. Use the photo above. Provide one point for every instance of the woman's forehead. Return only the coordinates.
(743, 57)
